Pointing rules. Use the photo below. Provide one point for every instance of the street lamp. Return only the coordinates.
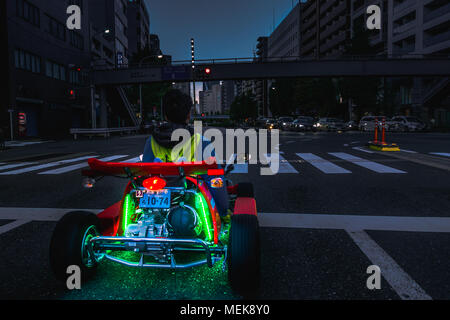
(140, 84)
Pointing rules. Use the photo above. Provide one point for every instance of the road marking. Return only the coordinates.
(79, 166)
(12, 225)
(408, 151)
(354, 222)
(279, 220)
(441, 154)
(398, 279)
(239, 168)
(38, 214)
(362, 149)
(285, 166)
(47, 165)
(373, 166)
(322, 164)
(134, 160)
(16, 165)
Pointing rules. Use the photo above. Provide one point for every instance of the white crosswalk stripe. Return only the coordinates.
(239, 168)
(79, 166)
(16, 165)
(441, 154)
(373, 166)
(133, 160)
(285, 166)
(46, 165)
(321, 164)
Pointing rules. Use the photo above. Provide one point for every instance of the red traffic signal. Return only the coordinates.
(208, 71)
(72, 94)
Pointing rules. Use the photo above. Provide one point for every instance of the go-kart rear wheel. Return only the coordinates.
(244, 255)
(68, 244)
(245, 190)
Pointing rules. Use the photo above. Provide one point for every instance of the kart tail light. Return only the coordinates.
(216, 172)
(154, 183)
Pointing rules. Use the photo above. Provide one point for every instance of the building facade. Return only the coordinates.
(47, 69)
(138, 30)
(325, 28)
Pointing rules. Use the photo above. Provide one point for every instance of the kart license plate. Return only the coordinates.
(159, 200)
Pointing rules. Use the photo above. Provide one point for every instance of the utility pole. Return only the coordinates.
(193, 70)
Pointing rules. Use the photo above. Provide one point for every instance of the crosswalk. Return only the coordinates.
(331, 163)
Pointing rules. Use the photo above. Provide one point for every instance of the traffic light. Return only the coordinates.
(203, 73)
(72, 94)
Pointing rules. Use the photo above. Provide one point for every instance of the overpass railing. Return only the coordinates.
(400, 56)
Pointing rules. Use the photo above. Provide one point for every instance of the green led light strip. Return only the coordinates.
(129, 204)
(200, 203)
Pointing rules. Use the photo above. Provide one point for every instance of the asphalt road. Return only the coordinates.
(334, 209)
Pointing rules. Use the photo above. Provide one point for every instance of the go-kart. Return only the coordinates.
(166, 215)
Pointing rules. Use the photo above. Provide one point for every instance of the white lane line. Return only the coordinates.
(38, 214)
(280, 220)
(354, 222)
(373, 166)
(408, 151)
(16, 165)
(47, 165)
(12, 225)
(285, 166)
(441, 154)
(362, 150)
(134, 160)
(79, 166)
(322, 164)
(398, 279)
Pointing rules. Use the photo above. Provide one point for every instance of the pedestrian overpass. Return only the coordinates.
(246, 69)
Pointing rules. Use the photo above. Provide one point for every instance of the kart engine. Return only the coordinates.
(180, 221)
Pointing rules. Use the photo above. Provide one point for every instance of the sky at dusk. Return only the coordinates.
(221, 28)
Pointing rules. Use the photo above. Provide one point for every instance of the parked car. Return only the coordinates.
(303, 124)
(285, 122)
(330, 124)
(351, 125)
(367, 123)
(407, 123)
(271, 123)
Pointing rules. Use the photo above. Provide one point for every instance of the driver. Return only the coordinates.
(177, 113)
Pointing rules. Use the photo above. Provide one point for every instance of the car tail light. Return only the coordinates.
(154, 183)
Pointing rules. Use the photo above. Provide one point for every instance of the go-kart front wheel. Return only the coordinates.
(68, 246)
(244, 254)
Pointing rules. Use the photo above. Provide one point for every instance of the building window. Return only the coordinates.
(28, 12)
(76, 40)
(55, 70)
(27, 61)
(77, 3)
(56, 28)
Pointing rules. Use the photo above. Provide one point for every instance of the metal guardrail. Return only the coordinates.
(106, 132)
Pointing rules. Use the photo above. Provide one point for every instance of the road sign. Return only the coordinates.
(119, 58)
(176, 73)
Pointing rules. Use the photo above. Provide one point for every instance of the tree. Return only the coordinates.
(243, 107)
(152, 93)
(363, 91)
